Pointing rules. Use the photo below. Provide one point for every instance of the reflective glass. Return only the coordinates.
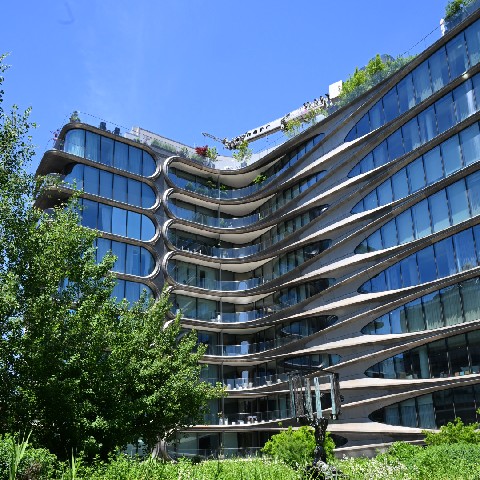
(380, 154)
(406, 94)
(390, 105)
(439, 210)
(120, 188)
(106, 184)
(149, 165)
(106, 150)
(408, 267)
(445, 257)
(400, 184)
(457, 197)
(472, 35)
(92, 180)
(433, 165)
(457, 56)
(416, 175)
(451, 154)
(395, 145)
(421, 82)
(473, 186)
(411, 135)
(464, 101)
(445, 111)
(421, 219)
(120, 158)
(470, 141)
(377, 117)
(92, 147)
(135, 160)
(404, 227)
(439, 69)
(426, 266)
(384, 192)
(104, 217)
(427, 124)
(119, 222)
(465, 250)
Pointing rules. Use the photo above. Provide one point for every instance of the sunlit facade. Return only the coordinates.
(352, 247)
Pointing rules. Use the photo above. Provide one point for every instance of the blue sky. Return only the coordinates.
(182, 67)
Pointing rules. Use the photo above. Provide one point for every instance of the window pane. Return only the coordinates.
(452, 159)
(439, 69)
(445, 257)
(470, 142)
(119, 222)
(106, 151)
(133, 224)
(135, 160)
(148, 228)
(380, 154)
(452, 305)
(473, 186)
(445, 111)
(120, 159)
(75, 142)
(370, 201)
(133, 260)
(134, 192)
(377, 118)
(406, 95)
(384, 192)
(106, 184)
(363, 126)
(149, 165)
(433, 311)
(389, 234)
(400, 184)
(426, 265)
(91, 180)
(409, 271)
(390, 105)
(104, 217)
(92, 149)
(428, 124)
(393, 277)
(119, 250)
(404, 227)
(470, 291)
(465, 250)
(367, 163)
(414, 314)
(120, 188)
(421, 219)
(464, 101)
(416, 175)
(433, 165)
(439, 210)
(411, 135)
(148, 196)
(89, 213)
(421, 82)
(472, 35)
(395, 145)
(457, 56)
(457, 197)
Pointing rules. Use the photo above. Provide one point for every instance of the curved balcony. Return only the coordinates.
(248, 418)
(222, 317)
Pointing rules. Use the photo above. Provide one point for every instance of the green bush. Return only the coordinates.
(455, 6)
(296, 447)
(454, 432)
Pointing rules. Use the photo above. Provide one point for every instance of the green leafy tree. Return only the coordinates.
(80, 370)
(455, 6)
(375, 65)
(296, 447)
(454, 432)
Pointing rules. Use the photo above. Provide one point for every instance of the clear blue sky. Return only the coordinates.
(181, 67)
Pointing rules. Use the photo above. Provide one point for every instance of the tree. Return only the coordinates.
(80, 370)
(296, 447)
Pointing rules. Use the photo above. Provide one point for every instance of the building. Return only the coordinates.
(353, 246)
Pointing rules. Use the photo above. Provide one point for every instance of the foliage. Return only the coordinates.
(454, 432)
(293, 126)
(296, 447)
(243, 153)
(202, 151)
(362, 80)
(83, 372)
(260, 178)
(455, 6)
(212, 153)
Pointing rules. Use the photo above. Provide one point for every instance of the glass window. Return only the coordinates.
(384, 192)
(427, 124)
(473, 187)
(148, 228)
(433, 311)
(377, 118)
(149, 165)
(135, 160)
(106, 150)
(452, 159)
(103, 246)
(408, 267)
(457, 56)
(119, 250)
(120, 158)
(134, 192)
(393, 277)
(472, 35)
(416, 175)
(411, 135)
(406, 94)
(433, 165)
(378, 283)
(374, 242)
(414, 313)
(404, 227)
(400, 184)
(426, 266)
(452, 305)
(445, 257)
(133, 224)
(91, 180)
(390, 105)
(380, 154)
(370, 201)
(367, 163)
(106, 184)
(439, 210)
(75, 142)
(119, 222)
(439, 69)
(421, 219)
(464, 101)
(104, 217)
(120, 188)
(389, 234)
(465, 250)
(89, 213)
(133, 260)
(470, 291)
(445, 111)
(470, 141)
(148, 196)
(457, 196)
(421, 82)
(92, 147)
(363, 126)
(395, 145)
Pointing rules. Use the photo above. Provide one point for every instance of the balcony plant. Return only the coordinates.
(202, 151)
(455, 6)
(259, 179)
(243, 153)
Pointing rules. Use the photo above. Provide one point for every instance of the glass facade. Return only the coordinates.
(447, 257)
(445, 159)
(447, 63)
(131, 259)
(449, 206)
(434, 409)
(111, 185)
(215, 279)
(450, 110)
(116, 220)
(113, 153)
(210, 187)
(459, 303)
(453, 356)
(132, 291)
(212, 218)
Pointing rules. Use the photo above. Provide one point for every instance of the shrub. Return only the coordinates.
(454, 432)
(455, 6)
(296, 447)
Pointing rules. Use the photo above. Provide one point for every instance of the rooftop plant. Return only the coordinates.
(243, 153)
(455, 6)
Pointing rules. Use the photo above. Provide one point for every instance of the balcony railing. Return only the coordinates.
(248, 418)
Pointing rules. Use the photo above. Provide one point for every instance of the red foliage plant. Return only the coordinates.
(202, 151)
